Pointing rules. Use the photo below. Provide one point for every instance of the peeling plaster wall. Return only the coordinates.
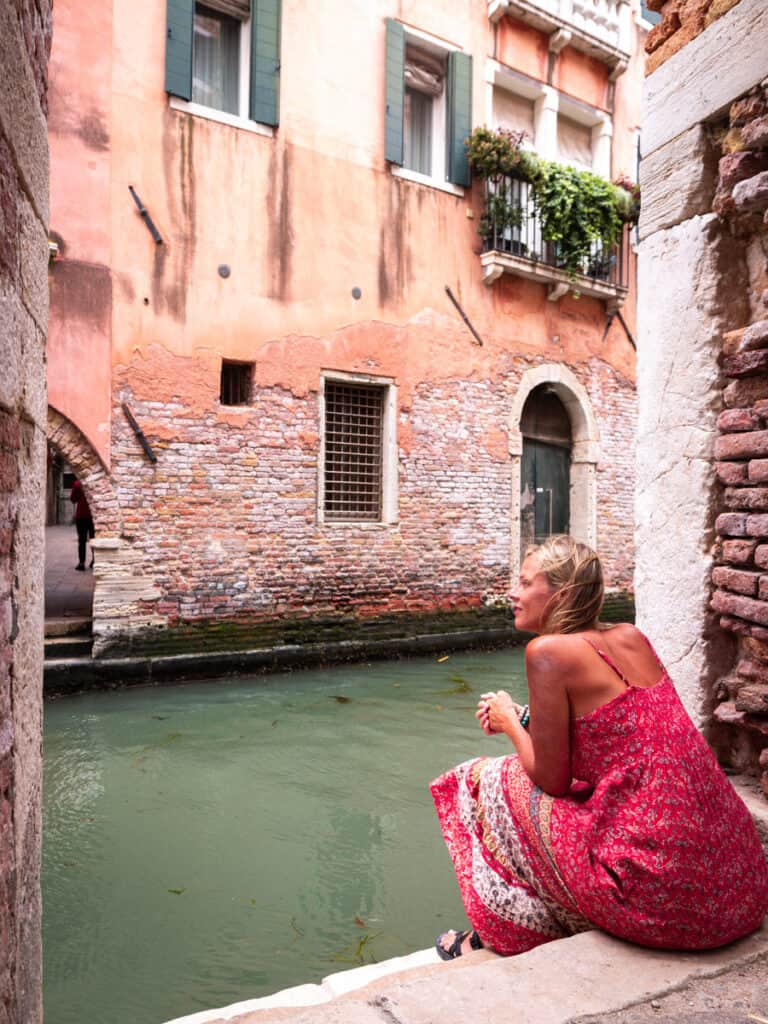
(24, 42)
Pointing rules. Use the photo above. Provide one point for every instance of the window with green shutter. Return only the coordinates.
(428, 114)
(204, 50)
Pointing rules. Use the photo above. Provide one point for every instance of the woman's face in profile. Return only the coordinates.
(531, 597)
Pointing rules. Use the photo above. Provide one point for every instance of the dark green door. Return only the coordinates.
(544, 491)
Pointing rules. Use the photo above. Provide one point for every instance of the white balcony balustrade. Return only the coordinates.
(600, 28)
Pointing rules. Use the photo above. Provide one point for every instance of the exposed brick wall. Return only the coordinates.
(681, 22)
(25, 34)
(741, 449)
(224, 525)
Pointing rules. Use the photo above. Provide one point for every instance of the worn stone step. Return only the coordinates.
(75, 645)
(66, 625)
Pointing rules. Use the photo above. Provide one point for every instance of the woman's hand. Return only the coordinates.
(495, 710)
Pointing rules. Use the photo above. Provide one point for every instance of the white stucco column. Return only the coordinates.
(602, 137)
(545, 123)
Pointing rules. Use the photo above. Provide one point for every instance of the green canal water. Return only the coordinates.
(218, 841)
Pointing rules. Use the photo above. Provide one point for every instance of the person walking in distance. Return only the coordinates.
(83, 522)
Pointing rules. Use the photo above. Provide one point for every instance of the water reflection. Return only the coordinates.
(214, 842)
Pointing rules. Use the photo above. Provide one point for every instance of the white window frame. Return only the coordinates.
(389, 482)
(439, 176)
(241, 119)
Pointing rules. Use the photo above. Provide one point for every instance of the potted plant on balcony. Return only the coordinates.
(627, 199)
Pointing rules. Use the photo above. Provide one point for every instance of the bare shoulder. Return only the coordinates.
(554, 650)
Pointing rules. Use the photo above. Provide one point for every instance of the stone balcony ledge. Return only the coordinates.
(559, 282)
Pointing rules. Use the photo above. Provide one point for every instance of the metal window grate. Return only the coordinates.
(354, 416)
(235, 383)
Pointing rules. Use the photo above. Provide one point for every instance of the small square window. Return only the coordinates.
(236, 382)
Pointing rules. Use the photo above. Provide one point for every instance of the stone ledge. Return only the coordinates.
(553, 984)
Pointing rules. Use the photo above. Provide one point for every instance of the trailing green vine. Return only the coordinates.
(575, 209)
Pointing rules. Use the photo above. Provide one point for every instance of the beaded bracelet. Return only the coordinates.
(525, 716)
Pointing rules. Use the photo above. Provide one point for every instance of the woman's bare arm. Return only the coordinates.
(545, 750)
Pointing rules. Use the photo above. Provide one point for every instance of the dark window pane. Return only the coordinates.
(235, 383)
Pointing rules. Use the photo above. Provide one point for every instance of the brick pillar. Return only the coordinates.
(25, 31)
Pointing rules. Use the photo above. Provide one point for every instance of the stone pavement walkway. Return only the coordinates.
(586, 979)
(68, 593)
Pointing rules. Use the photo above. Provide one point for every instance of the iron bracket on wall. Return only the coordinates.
(139, 434)
(463, 315)
(145, 216)
(623, 322)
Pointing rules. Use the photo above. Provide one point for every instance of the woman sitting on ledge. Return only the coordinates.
(613, 814)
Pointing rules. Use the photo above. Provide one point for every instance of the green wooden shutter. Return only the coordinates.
(265, 61)
(395, 92)
(459, 116)
(180, 18)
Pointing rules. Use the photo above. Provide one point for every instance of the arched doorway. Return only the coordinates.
(578, 437)
(545, 472)
(69, 594)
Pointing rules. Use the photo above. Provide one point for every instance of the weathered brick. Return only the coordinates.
(757, 526)
(738, 552)
(755, 671)
(757, 470)
(755, 134)
(755, 498)
(757, 649)
(732, 341)
(753, 699)
(763, 759)
(736, 167)
(756, 335)
(751, 195)
(740, 606)
(732, 524)
(731, 472)
(761, 408)
(739, 580)
(747, 108)
(727, 713)
(762, 590)
(734, 625)
(742, 446)
(746, 391)
(761, 556)
(735, 420)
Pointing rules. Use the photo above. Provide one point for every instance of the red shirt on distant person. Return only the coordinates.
(77, 496)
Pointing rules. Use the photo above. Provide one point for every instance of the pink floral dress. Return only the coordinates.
(651, 843)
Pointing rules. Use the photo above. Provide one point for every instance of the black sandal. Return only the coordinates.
(454, 950)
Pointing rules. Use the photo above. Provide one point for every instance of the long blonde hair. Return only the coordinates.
(574, 570)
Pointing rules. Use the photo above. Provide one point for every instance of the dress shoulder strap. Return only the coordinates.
(608, 660)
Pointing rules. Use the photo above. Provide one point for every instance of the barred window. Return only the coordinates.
(354, 416)
(236, 381)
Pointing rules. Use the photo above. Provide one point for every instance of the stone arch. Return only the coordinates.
(585, 452)
(90, 470)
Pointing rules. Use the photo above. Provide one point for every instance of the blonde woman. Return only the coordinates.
(613, 813)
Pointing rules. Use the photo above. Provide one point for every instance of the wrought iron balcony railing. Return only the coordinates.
(513, 242)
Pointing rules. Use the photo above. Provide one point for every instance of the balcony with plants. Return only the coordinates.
(547, 222)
